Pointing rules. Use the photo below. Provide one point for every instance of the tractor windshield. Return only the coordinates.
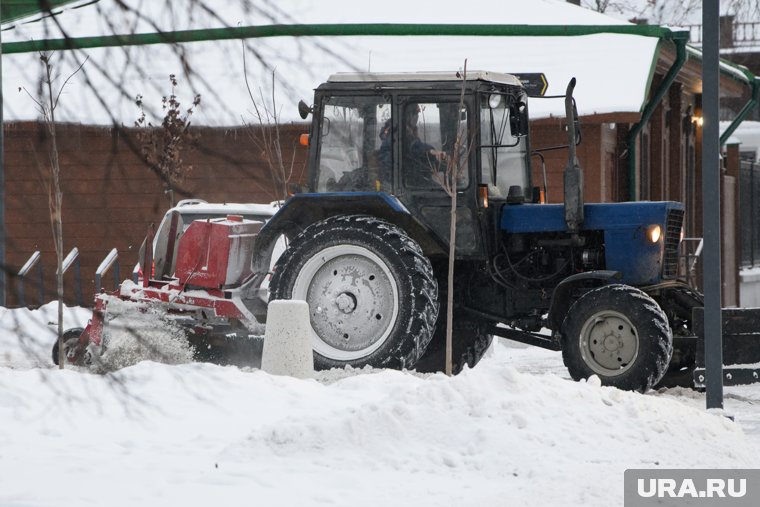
(353, 130)
(503, 155)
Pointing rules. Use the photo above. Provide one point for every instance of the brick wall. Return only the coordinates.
(595, 154)
(111, 196)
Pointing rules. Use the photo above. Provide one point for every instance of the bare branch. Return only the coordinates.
(39, 104)
(57, 97)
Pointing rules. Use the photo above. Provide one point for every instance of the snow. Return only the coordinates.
(94, 96)
(751, 273)
(26, 337)
(139, 331)
(513, 430)
(748, 134)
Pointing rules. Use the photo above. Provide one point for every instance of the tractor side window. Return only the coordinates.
(503, 156)
(433, 132)
(351, 150)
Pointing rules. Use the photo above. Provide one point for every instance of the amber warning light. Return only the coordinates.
(483, 196)
(304, 139)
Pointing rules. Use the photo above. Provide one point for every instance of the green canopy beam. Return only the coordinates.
(647, 113)
(336, 30)
(746, 110)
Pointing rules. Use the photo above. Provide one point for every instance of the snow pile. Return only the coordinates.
(481, 438)
(195, 434)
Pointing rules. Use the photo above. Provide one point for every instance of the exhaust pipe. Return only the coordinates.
(573, 175)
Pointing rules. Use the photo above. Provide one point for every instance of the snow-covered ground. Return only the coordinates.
(515, 430)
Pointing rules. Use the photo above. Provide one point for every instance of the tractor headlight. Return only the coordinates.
(653, 233)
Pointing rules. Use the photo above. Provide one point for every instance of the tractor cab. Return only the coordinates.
(397, 134)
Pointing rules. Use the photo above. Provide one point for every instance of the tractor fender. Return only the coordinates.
(562, 298)
(302, 210)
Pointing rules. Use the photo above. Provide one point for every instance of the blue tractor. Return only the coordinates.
(369, 239)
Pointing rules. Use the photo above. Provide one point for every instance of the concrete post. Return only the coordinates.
(287, 340)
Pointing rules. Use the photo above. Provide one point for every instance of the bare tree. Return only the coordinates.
(265, 134)
(163, 147)
(673, 12)
(448, 180)
(48, 103)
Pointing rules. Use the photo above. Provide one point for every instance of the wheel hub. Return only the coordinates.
(352, 298)
(609, 343)
(612, 343)
(346, 302)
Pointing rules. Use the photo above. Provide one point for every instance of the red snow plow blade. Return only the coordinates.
(208, 263)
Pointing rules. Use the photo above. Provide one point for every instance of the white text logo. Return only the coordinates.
(670, 488)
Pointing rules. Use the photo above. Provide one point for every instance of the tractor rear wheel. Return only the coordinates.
(620, 334)
(372, 295)
(469, 344)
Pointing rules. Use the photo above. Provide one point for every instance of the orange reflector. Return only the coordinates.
(304, 139)
(483, 196)
(541, 196)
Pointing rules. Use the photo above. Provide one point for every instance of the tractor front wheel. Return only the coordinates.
(373, 299)
(620, 334)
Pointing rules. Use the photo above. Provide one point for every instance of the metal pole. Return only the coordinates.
(112, 257)
(3, 277)
(78, 282)
(711, 190)
(752, 214)
(41, 282)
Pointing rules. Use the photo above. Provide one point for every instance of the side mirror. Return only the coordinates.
(518, 119)
(304, 110)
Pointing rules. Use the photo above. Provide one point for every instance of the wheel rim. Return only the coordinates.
(353, 301)
(609, 343)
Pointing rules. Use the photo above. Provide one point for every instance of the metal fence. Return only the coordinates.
(31, 274)
(749, 213)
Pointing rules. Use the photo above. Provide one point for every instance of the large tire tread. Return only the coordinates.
(418, 298)
(469, 340)
(655, 340)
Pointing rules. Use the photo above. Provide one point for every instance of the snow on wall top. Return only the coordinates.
(612, 70)
(747, 134)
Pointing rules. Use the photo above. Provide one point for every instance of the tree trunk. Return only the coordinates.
(450, 291)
